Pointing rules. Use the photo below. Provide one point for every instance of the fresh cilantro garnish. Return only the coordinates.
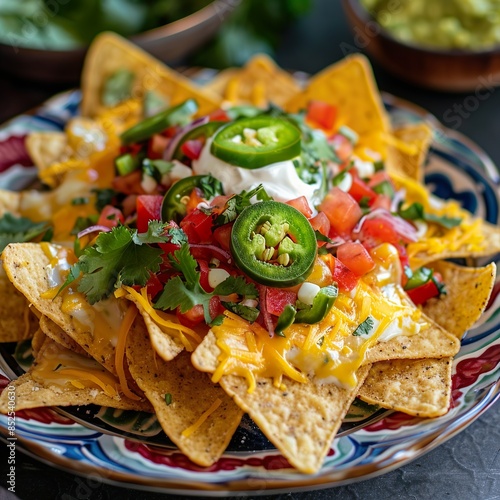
(337, 179)
(168, 398)
(21, 229)
(416, 211)
(186, 292)
(365, 327)
(157, 233)
(117, 257)
(82, 200)
(176, 235)
(104, 197)
(236, 204)
(385, 188)
(211, 186)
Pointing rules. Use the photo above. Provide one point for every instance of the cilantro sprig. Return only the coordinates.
(416, 211)
(21, 229)
(185, 291)
(121, 256)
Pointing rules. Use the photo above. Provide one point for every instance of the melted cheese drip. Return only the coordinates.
(62, 367)
(102, 319)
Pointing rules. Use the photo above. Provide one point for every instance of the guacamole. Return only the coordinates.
(447, 24)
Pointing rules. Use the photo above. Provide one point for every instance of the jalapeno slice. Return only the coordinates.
(173, 208)
(206, 130)
(273, 244)
(256, 142)
(176, 115)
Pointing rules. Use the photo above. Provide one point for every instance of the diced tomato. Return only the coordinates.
(215, 307)
(361, 191)
(355, 256)
(342, 275)
(321, 113)
(192, 149)
(192, 317)
(195, 198)
(148, 208)
(110, 216)
(423, 292)
(219, 115)
(342, 146)
(171, 131)
(198, 226)
(204, 270)
(154, 286)
(321, 223)
(222, 235)
(129, 184)
(168, 248)
(342, 210)
(381, 201)
(277, 299)
(302, 205)
(156, 146)
(383, 230)
(379, 177)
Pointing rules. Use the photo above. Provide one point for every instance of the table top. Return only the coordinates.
(465, 467)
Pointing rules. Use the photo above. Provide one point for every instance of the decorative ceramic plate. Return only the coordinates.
(130, 447)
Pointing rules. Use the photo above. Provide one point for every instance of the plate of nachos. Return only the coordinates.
(244, 280)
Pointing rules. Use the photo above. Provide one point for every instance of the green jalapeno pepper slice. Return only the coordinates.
(206, 130)
(322, 303)
(273, 244)
(176, 115)
(173, 208)
(256, 142)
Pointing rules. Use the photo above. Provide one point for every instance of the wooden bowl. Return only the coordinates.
(169, 43)
(445, 70)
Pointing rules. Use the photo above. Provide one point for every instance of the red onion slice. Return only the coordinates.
(406, 231)
(93, 229)
(174, 142)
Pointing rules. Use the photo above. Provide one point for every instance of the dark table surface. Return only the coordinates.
(467, 466)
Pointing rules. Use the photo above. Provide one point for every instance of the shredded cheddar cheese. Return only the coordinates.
(193, 428)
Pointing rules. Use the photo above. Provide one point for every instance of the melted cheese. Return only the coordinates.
(326, 352)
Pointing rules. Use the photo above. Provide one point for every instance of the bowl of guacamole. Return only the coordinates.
(441, 44)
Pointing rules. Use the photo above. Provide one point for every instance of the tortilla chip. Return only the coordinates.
(259, 82)
(16, 320)
(165, 345)
(349, 85)
(191, 395)
(110, 53)
(25, 265)
(34, 390)
(46, 148)
(432, 342)
(57, 334)
(37, 342)
(300, 421)
(409, 152)
(417, 387)
(467, 293)
(9, 202)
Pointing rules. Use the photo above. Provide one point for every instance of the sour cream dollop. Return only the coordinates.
(280, 180)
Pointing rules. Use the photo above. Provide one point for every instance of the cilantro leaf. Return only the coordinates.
(116, 259)
(248, 313)
(211, 186)
(236, 204)
(365, 327)
(236, 285)
(104, 197)
(154, 234)
(177, 236)
(416, 211)
(21, 229)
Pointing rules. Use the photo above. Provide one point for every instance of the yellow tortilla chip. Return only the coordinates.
(57, 334)
(9, 202)
(301, 420)
(110, 53)
(46, 385)
(25, 264)
(417, 387)
(259, 82)
(349, 85)
(46, 148)
(195, 414)
(410, 149)
(17, 322)
(37, 342)
(467, 293)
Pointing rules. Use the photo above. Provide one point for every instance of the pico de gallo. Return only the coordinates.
(252, 211)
